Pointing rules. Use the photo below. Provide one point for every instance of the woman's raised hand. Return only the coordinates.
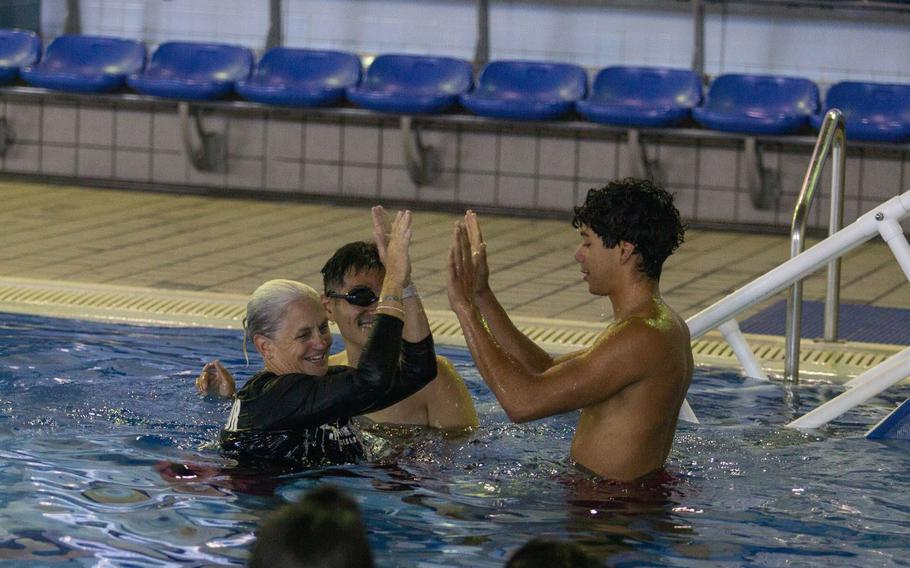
(382, 228)
(393, 240)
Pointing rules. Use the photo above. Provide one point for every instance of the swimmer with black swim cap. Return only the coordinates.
(298, 410)
(631, 384)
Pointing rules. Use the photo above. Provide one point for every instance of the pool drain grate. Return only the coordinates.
(178, 307)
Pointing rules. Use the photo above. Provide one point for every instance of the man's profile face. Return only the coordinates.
(597, 262)
(355, 322)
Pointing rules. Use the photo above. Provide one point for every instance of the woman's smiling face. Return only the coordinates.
(301, 343)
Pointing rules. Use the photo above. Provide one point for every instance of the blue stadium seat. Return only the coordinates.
(18, 48)
(873, 111)
(412, 84)
(301, 77)
(194, 71)
(86, 64)
(641, 96)
(758, 104)
(526, 90)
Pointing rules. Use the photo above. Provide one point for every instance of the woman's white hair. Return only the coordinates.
(268, 304)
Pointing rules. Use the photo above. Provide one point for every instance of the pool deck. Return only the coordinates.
(228, 246)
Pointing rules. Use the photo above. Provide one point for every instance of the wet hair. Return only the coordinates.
(322, 530)
(637, 211)
(267, 305)
(356, 257)
(549, 553)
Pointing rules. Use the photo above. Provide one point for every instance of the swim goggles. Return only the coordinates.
(358, 296)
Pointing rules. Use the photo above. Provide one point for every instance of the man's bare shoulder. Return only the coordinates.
(446, 376)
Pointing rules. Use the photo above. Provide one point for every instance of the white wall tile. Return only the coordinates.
(515, 192)
(285, 139)
(134, 129)
(208, 179)
(478, 152)
(445, 143)
(442, 190)
(95, 163)
(517, 154)
(169, 168)
(597, 160)
(25, 120)
(59, 161)
(22, 158)
(132, 165)
(678, 164)
(59, 124)
(360, 181)
(396, 184)
(244, 172)
(323, 141)
(716, 205)
(684, 199)
(283, 175)
(557, 157)
(96, 126)
(717, 167)
(245, 137)
(392, 152)
(321, 179)
(555, 195)
(748, 213)
(166, 131)
(477, 189)
(361, 145)
(881, 178)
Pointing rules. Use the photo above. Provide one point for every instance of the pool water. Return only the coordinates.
(92, 414)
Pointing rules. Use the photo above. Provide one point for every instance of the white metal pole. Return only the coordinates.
(734, 336)
(883, 377)
(686, 413)
(891, 231)
(899, 358)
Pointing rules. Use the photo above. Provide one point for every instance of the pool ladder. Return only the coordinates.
(883, 220)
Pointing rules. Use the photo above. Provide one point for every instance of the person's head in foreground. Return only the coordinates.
(352, 279)
(322, 530)
(289, 328)
(549, 553)
(628, 219)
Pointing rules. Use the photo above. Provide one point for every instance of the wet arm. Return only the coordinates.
(587, 378)
(513, 341)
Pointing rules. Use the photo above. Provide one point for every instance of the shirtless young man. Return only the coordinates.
(631, 383)
(352, 278)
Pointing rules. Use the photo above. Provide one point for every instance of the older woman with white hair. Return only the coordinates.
(298, 409)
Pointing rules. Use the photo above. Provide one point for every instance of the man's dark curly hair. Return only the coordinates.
(636, 211)
(356, 256)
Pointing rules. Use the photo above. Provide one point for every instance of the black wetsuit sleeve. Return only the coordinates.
(416, 369)
(390, 370)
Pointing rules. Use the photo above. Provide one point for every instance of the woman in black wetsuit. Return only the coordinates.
(298, 410)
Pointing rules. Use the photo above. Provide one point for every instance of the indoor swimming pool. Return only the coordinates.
(98, 420)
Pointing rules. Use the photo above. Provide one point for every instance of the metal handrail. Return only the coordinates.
(832, 139)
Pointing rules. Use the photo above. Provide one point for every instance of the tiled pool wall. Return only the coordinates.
(494, 166)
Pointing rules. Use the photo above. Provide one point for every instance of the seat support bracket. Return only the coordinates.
(763, 183)
(6, 135)
(207, 151)
(424, 162)
(640, 165)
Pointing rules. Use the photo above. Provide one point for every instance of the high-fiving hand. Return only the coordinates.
(392, 241)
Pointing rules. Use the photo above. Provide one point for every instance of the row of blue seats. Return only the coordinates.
(410, 84)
